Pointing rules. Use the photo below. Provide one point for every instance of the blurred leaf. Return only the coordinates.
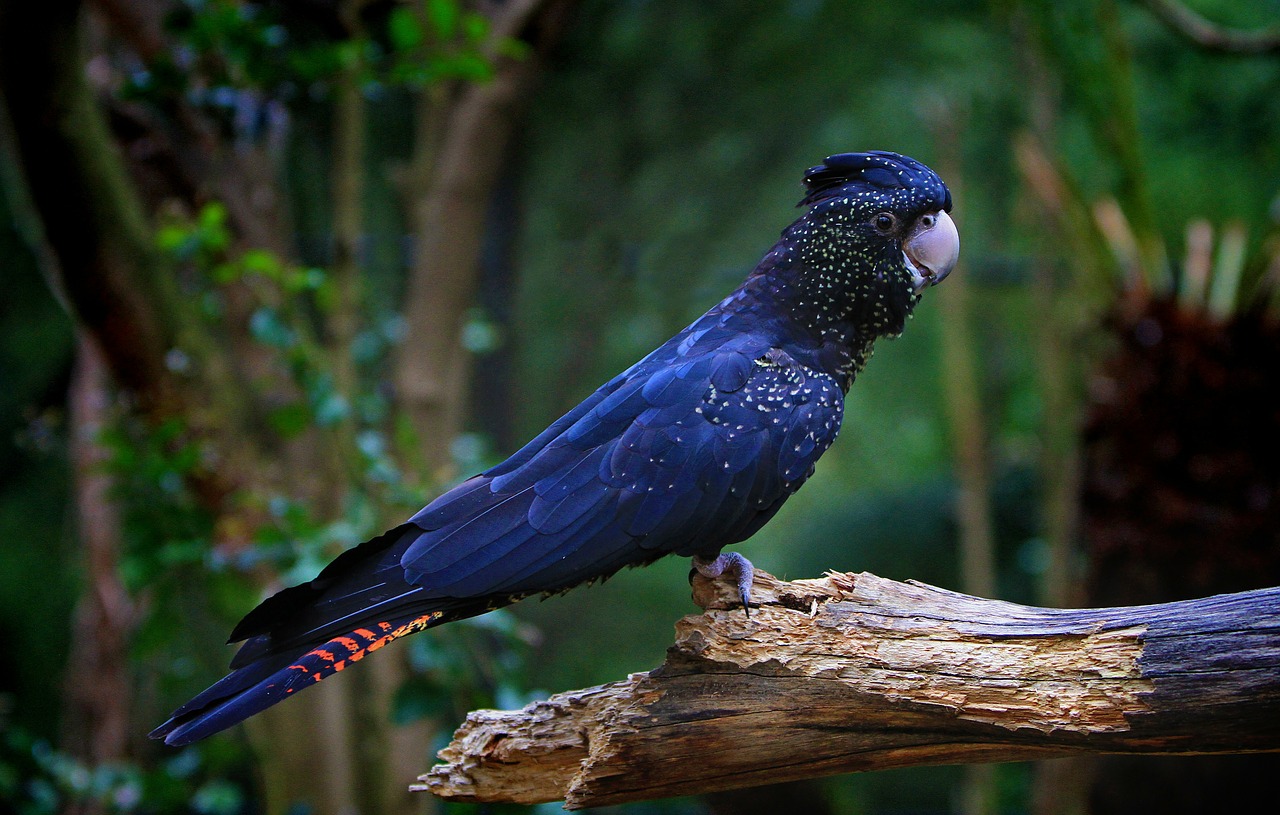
(469, 66)
(404, 29)
(172, 237)
(217, 798)
(262, 262)
(512, 48)
(480, 334)
(475, 28)
(306, 279)
(213, 223)
(180, 552)
(224, 273)
(290, 420)
(269, 329)
(442, 16)
(330, 408)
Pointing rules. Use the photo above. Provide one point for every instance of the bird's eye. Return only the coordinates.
(885, 222)
(927, 221)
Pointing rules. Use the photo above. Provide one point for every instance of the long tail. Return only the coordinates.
(271, 679)
(296, 638)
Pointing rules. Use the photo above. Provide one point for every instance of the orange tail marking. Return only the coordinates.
(334, 655)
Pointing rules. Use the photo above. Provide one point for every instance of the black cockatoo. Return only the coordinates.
(691, 449)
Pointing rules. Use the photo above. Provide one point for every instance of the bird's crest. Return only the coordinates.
(877, 169)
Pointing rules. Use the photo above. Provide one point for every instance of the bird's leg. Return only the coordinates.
(729, 562)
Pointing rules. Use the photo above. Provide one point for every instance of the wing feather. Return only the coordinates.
(437, 549)
(465, 499)
(551, 517)
(680, 455)
(558, 485)
(730, 370)
(531, 569)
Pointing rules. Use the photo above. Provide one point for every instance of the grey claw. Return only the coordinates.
(730, 561)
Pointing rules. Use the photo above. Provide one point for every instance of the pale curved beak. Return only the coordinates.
(931, 249)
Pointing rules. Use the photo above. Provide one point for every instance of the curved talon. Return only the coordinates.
(730, 561)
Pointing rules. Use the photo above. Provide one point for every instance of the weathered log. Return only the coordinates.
(855, 672)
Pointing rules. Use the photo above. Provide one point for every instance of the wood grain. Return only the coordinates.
(855, 672)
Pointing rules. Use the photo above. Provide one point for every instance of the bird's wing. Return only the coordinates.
(367, 581)
(688, 452)
(691, 449)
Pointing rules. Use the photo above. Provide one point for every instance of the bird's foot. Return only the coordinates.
(729, 562)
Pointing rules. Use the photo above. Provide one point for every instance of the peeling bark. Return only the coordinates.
(855, 672)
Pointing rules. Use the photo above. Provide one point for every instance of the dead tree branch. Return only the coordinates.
(855, 672)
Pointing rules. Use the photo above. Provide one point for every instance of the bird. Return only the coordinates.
(690, 450)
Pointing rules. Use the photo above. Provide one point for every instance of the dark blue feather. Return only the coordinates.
(552, 516)
(556, 486)
(687, 451)
(555, 430)
(643, 438)
(666, 416)
(525, 569)
(436, 550)
(669, 456)
(656, 506)
(548, 462)
(663, 388)
(458, 578)
(628, 469)
(468, 497)
(730, 371)
(603, 422)
(742, 451)
(696, 370)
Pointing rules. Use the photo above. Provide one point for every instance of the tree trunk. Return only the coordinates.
(854, 672)
(462, 144)
(93, 222)
(98, 681)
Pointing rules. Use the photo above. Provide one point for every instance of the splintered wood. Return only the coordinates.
(854, 672)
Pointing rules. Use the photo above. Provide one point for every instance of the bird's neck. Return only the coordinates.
(813, 303)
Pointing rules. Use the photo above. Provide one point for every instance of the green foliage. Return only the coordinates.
(237, 53)
(292, 304)
(37, 779)
(36, 350)
(165, 527)
(288, 309)
(437, 40)
(1150, 132)
(470, 664)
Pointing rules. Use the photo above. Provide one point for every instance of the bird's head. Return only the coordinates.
(876, 235)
